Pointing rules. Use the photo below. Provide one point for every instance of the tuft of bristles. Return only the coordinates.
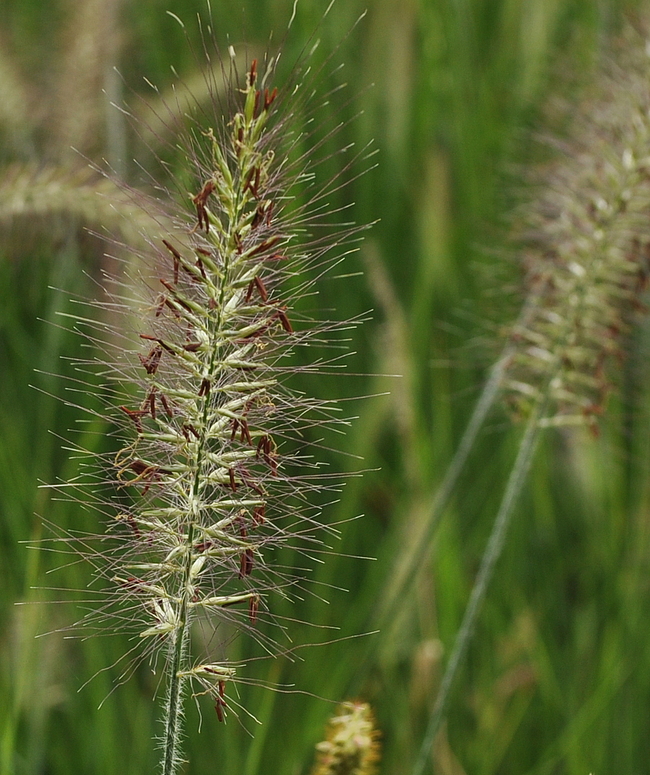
(588, 249)
(215, 469)
(351, 746)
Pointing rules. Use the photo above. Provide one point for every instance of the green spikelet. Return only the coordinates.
(351, 746)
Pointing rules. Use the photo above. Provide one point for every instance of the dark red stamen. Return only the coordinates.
(246, 564)
(253, 607)
(136, 416)
(204, 390)
(177, 258)
(166, 406)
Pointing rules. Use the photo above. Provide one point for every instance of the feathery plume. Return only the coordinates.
(215, 470)
(588, 245)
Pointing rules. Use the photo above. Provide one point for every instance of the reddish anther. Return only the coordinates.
(262, 446)
(231, 478)
(177, 258)
(258, 217)
(263, 213)
(259, 515)
(161, 342)
(166, 406)
(257, 104)
(266, 447)
(286, 324)
(253, 608)
(248, 179)
(147, 473)
(266, 245)
(220, 701)
(204, 546)
(252, 184)
(162, 300)
(149, 404)
(199, 264)
(144, 469)
(135, 415)
(256, 282)
(261, 288)
(174, 293)
(252, 75)
(188, 428)
(245, 432)
(204, 390)
(249, 291)
(133, 525)
(152, 360)
(241, 425)
(248, 480)
(269, 98)
(200, 200)
(131, 583)
(246, 564)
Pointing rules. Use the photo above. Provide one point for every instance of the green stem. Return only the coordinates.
(493, 551)
(175, 680)
(421, 547)
(172, 714)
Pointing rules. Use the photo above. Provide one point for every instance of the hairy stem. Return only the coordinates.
(173, 710)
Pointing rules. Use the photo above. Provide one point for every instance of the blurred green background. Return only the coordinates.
(557, 679)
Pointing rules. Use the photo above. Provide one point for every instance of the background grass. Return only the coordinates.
(557, 679)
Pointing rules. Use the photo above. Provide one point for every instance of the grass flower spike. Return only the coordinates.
(586, 271)
(215, 470)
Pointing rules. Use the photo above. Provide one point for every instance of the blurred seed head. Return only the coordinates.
(587, 247)
(351, 746)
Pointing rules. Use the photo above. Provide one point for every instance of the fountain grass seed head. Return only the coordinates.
(588, 243)
(215, 465)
